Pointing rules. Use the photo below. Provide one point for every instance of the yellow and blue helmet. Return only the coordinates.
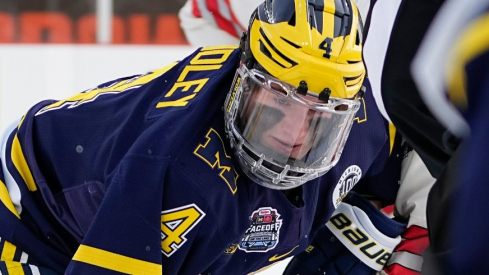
(297, 89)
(316, 41)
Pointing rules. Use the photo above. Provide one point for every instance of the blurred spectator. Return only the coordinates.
(206, 23)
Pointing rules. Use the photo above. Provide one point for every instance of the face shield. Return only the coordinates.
(281, 137)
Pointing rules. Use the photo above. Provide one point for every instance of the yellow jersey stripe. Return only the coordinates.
(6, 200)
(21, 164)
(473, 42)
(392, 136)
(113, 261)
(8, 252)
(14, 268)
(221, 47)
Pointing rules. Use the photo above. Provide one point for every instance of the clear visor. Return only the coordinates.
(284, 128)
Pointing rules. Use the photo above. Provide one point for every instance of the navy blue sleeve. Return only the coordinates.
(382, 179)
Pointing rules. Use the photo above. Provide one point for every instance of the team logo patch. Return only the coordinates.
(231, 249)
(263, 234)
(349, 178)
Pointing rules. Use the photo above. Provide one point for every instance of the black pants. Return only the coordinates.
(414, 121)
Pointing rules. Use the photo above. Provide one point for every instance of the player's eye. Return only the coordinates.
(282, 101)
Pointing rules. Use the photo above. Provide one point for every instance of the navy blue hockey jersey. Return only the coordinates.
(136, 176)
(465, 235)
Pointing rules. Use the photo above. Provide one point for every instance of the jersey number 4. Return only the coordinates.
(175, 224)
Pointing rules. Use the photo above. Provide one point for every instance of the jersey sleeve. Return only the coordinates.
(382, 179)
(152, 220)
(124, 236)
(141, 222)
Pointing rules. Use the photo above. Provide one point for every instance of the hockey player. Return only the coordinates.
(138, 175)
(466, 238)
(457, 41)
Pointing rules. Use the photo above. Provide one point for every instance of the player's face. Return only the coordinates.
(281, 125)
(282, 137)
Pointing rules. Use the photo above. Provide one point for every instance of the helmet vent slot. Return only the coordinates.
(291, 43)
(352, 81)
(268, 54)
(357, 39)
(291, 21)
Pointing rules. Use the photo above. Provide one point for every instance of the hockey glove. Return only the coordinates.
(407, 258)
(357, 240)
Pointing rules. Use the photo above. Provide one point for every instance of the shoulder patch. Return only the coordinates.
(348, 180)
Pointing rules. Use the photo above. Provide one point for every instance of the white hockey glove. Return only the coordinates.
(358, 239)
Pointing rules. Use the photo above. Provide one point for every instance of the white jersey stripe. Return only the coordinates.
(224, 10)
(35, 270)
(24, 257)
(12, 186)
(204, 12)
